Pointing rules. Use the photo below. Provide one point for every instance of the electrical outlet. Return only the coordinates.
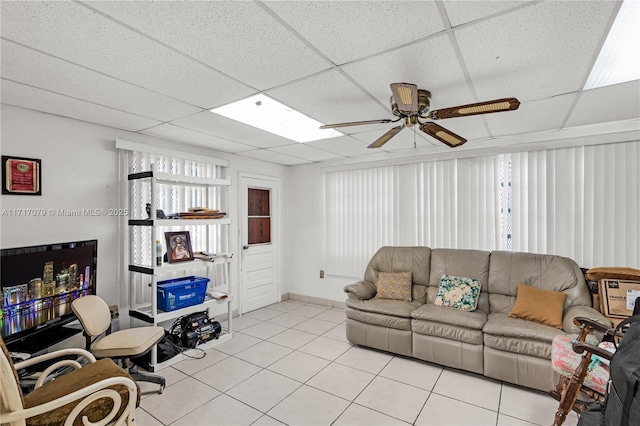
(114, 312)
(321, 274)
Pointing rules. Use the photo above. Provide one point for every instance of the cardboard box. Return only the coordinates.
(617, 297)
(597, 304)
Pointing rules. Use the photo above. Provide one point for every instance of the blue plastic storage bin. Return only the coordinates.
(179, 293)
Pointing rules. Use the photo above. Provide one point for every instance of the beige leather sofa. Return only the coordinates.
(486, 341)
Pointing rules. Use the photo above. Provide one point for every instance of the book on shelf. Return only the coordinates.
(218, 295)
(205, 255)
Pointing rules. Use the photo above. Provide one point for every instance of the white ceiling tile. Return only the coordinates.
(345, 145)
(301, 150)
(348, 30)
(330, 97)
(40, 100)
(238, 38)
(534, 116)
(226, 128)
(275, 157)
(526, 53)
(431, 64)
(30, 67)
(611, 103)
(77, 34)
(460, 12)
(180, 134)
(130, 64)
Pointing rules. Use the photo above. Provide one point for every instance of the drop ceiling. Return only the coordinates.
(156, 68)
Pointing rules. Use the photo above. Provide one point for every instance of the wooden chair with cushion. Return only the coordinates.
(95, 317)
(99, 392)
(581, 372)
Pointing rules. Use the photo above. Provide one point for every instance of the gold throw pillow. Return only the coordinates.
(542, 306)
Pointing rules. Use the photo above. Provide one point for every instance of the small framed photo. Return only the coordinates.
(178, 246)
(21, 176)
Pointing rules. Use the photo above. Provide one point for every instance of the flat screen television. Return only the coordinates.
(38, 285)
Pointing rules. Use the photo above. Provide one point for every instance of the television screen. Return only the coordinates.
(40, 282)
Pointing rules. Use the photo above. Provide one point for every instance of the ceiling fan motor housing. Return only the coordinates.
(424, 101)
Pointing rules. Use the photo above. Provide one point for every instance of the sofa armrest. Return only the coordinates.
(363, 290)
(582, 311)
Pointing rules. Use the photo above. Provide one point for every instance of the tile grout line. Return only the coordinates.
(428, 397)
(330, 361)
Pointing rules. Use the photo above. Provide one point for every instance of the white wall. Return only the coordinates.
(306, 244)
(80, 171)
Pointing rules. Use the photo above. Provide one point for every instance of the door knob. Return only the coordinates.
(245, 247)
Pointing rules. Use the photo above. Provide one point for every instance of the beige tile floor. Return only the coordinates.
(290, 364)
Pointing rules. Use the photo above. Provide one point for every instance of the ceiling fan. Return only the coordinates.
(410, 104)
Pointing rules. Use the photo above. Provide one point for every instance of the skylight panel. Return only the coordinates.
(619, 60)
(271, 116)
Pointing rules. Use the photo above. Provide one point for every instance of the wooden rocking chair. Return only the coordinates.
(579, 372)
(99, 393)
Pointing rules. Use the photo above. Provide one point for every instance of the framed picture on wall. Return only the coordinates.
(178, 246)
(21, 176)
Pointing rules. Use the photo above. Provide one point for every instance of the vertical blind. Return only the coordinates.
(577, 202)
(582, 202)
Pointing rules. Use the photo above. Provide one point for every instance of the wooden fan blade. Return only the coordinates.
(385, 138)
(498, 105)
(356, 123)
(445, 136)
(406, 97)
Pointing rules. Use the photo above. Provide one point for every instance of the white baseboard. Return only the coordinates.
(314, 300)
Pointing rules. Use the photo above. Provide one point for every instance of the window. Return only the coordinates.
(579, 202)
(259, 216)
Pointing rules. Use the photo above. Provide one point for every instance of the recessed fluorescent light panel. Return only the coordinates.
(270, 115)
(618, 60)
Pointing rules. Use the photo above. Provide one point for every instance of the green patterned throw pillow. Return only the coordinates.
(394, 285)
(458, 293)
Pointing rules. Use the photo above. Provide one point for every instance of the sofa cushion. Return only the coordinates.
(459, 293)
(548, 272)
(394, 285)
(416, 260)
(383, 312)
(461, 263)
(516, 335)
(538, 305)
(447, 331)
(450, 324)
(382, 320)
(473, 320)
(397, 308)
(66, 384)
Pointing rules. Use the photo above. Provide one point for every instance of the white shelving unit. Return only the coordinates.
(149, 312)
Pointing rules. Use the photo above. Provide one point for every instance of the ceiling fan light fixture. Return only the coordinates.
(406, 96)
